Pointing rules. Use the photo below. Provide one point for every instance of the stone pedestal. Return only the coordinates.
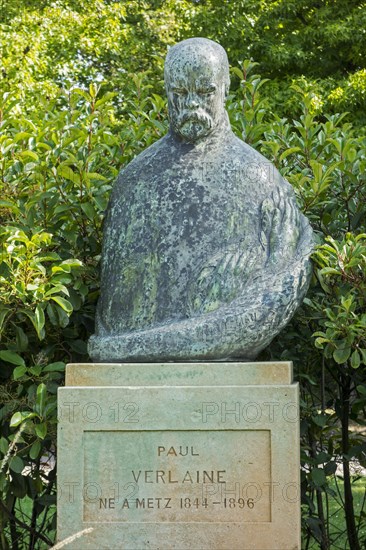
(179, 456)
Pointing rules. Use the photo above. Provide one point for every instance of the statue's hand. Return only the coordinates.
(280, 227)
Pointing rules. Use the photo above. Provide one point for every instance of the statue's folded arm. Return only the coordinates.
(240, 329)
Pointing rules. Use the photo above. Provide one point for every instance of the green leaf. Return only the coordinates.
(330, 468)
(47, 500)
(330, 271)
(56, 289)
(88, 210)
(93, 90)
(62, 268)
(238, 72)
(341, 355)
(18, 372)
(65, 304)
(320, 341)
(11, 357)
(63, 317)
(59, 366)
(39, 322)
(361, 389)
(41, 430)
(313, 525)
(29, 314)
(51, 312)
(21, 135)
(355, 360)
(9, 205)
(81, 92)
(4, 481)
(41, 398)
(16, 464)
(3, 314)
(49, 256)
(35, 450)
(42, 237)
(72, 262)
(20, 417)
(66, 172)
(79, 346)
(29, 154)
(21, 339)
(318, 476)
(320, 420)
(4, 445)
(101, 202)
(32, 287)
(95, 176)
(36, 370)
(288, 152)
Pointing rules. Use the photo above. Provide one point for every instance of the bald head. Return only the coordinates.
(197, 82)
(197, 55)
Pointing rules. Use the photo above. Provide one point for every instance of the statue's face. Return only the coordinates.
(196, 95)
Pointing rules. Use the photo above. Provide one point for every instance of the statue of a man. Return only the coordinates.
(205, 253)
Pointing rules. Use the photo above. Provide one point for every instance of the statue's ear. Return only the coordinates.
(227, 89)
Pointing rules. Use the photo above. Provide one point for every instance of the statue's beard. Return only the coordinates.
(193, 125)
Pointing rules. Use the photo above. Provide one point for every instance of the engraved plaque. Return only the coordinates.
(180, 476)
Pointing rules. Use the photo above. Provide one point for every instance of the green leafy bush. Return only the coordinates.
(325, 162)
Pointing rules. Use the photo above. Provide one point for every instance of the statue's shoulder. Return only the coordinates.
(134, 179)
(150, 156)
(258, 168)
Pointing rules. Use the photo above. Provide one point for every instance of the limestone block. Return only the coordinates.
(167, 457)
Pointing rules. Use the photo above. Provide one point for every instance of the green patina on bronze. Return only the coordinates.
(205, 254)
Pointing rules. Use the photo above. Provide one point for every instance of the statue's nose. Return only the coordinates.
(192, 101)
